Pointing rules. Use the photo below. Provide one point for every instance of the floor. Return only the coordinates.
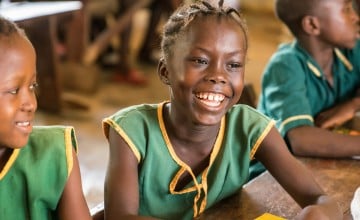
(265, 33)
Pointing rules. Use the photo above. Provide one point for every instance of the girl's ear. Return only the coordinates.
(311, 25)
(163, 72)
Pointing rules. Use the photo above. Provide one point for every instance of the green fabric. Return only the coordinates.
(293, 94)
(32, 186)
(141, 125)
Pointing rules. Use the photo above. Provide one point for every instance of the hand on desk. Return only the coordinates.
(338, 115)
(343, 130)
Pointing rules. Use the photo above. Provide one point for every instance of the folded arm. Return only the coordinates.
(339, 114)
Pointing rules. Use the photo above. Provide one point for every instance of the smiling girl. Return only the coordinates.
(39, 171)
(175, 159)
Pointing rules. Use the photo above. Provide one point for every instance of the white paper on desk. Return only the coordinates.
(355, 205)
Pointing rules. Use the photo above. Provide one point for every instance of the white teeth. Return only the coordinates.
(211, 96)
(211, 99)
(25, 123)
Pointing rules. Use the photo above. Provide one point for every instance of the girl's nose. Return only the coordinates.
(29, 102)
(217, 75)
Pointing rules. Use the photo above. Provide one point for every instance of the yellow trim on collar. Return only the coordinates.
(343, 59)
(9, 163)
(294, 118)
(341, 56)
(185, 168)
(313, 68)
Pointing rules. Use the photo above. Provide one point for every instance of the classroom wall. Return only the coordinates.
(259, 5)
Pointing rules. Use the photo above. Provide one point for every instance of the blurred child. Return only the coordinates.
(175, 159)
(310, 86)
(151, 42)
(126, 72)
(39, 171)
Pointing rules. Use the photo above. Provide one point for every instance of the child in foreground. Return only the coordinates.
(175, 159)
(39, 171)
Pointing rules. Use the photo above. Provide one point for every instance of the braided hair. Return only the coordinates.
(180, 20)
(9, 28)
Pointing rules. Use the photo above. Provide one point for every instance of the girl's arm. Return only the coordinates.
(121, 181)
(72, 204)
(296, 179)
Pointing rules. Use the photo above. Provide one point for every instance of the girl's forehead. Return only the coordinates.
(214, 24)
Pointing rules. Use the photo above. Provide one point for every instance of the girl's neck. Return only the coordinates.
(186, 131)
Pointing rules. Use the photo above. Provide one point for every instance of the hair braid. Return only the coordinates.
(184, 15)
(8, 28)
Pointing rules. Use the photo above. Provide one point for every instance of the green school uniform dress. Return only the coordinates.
(241, 132)
(34, 177)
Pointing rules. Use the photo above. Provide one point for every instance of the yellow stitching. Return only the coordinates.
(10, 162)
(126, 138)
(184, 166)
(315, 70)
(68, 149)
(218, 144)
(261, 138)
(346, 62)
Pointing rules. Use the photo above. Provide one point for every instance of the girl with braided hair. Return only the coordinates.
(175, 159)
(39, 172)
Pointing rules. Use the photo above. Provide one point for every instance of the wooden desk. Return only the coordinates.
(39, 20)
(339, 178)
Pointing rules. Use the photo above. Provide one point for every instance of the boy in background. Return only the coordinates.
(310, 86)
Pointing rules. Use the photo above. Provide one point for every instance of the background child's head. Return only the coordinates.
(292, 12)
(180, 20)
(334, 22)
(17, 85)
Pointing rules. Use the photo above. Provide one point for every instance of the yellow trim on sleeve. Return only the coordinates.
(69, 149)
(261, 138)
(9, 163)
(126, 138)
(294, 118)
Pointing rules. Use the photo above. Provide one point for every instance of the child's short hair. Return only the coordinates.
(8, 28)
(185, 14)
(291, 12)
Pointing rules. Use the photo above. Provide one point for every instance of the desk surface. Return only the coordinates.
(19, 11)
(338, 178)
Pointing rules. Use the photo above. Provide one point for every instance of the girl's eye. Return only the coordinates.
(200, 61)
(234, 65)
(348, 8)
(34, 86)
(14, 91)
